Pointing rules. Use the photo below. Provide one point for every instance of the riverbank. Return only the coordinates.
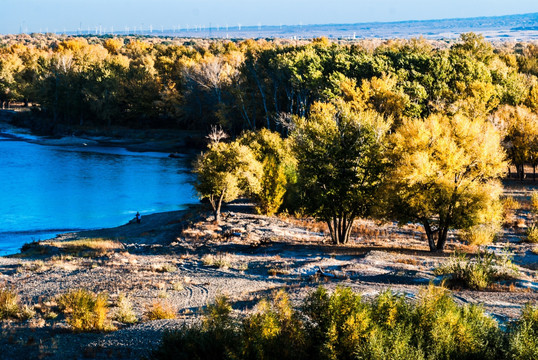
(183, 260)
(170, 141)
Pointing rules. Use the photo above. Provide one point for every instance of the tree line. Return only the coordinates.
(252, 84)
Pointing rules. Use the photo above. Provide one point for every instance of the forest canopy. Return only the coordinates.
(251, 84)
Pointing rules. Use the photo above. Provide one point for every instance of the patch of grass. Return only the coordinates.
(89, 247)
(164, 268)
(36, 266)
(478, 273)
(160, 310)
(409, 261)
(220, 260)
(178, 286)
(534, 202)
(9, 304)
(510, 203)
(531, 234)
(85, 311)
(26, 312)
(274, 271)
(124, 310)
(50, 315)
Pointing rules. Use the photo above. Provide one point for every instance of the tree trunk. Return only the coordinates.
(440, 235)
(340, 228)
(441, 242)
(521, 171)
(217, 208)
(430, 234)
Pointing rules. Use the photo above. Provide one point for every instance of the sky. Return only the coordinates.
(70, 15)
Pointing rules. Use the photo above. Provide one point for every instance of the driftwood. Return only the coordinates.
(329, 274)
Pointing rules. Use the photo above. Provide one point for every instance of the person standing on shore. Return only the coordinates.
(138, 217)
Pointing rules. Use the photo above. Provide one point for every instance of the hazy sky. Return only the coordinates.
(57, 15)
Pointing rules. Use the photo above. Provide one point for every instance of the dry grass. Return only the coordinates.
(85, 311)
(532, 234)
(308, 224)
(220, 260)
(481, 234)
(409, 261)
(124, 312)
(163, 268)
(160, 310)
(99, 245)
(9, 304)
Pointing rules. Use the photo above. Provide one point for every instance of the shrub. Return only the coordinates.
(341, 326)
(216, 337)
(534, 201)
(482, 234)
(274, 331)
(221, 261)
(532, 234)
(124, 312)
(26, 312)
(85, 311)
(159, 310)
(449, 331)
(9, 304)
(524, 335)
(478, 273)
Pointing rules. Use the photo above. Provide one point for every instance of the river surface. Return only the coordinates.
(46, 190)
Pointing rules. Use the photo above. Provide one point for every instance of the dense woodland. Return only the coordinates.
(331, 129)
(252, 84)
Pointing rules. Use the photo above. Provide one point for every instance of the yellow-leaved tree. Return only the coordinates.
(279, 167)
(519, 128)
(444, 175)
(226, 171)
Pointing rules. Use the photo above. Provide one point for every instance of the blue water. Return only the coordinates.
(46, 190)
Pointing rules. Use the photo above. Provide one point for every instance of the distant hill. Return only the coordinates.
(508, 27)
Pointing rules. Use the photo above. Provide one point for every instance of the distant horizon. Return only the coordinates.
(59, 16)
(156, 30)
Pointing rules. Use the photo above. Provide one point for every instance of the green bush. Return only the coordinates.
(342, 326)
(478, 273)
(85, 311)
(523, 338)
(532, 234)
(216, 337)
(274, 153)
(482, 234)
(124, 311)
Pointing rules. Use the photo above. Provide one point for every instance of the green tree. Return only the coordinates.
(278, 167)
(444, 174)
(226, 171)
(519, 127)
(339, 161)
